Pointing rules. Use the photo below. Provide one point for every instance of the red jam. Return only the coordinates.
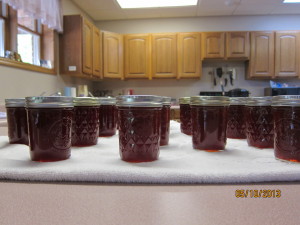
(236, 126)
(108, 122)
(259, 126)
(287, 133)
(17, 125)
(185, 119)
(50, 133)
(209, 127)
(85, 127)
(139, 133)
(165, 125)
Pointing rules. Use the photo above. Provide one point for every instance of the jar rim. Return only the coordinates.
(107, 100)
(49, 102)
(139, 100)
(210, 100)
(260, 101)
(238, 100)
(286, 100)
(15, 102)
(166, 100)
(86, 101)
(184, 100)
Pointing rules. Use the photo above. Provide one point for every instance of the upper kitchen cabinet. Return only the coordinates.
(137, 56)
(225, 45)
(261, 64)
(164, 55)
(189, 55)
(80, 48)
(113, 55)
(287, 50)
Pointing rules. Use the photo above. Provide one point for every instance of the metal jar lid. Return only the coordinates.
(86, 101)
(210, 100)
(238, 100)
(15, 102)
(107, 100)
(166, 100)
(139, 101)
(286, 100)
(184, 100)
(260, 101)
(49, 102)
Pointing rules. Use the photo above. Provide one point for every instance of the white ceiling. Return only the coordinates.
(110, 10)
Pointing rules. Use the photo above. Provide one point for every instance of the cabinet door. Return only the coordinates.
(97, 53)
(237, 45)
(261, 63)
(189, 58)
(87, 47)
(213, 45)
(164, 58)
(137, 54)
(113, 55)
(287, 53)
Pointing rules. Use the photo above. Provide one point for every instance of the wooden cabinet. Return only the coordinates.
(137, 56)
(80, 48)
(225, 45)
(189, 55)
(164, 55)
(113, 55)
(261, 64)
(287, 50)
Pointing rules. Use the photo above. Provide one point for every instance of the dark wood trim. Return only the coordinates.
(28, 30)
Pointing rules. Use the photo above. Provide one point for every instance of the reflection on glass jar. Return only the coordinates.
(185, 115)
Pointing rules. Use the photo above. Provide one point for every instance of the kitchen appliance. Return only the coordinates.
(282, 91)
(237, 92)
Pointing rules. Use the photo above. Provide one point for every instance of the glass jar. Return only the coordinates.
(165, 121)
(139, 127)
(85, 127)
(185, 115)
(259, 122)
(286, 113)
(236, 125)
(209, 122)
(107, 117)
(16, 121)
(49, 125)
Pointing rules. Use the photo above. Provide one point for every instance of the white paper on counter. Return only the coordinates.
(178, 163)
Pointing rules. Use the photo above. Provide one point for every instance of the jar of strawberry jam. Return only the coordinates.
(209, 122)
(139, 127)
(236, 126)
(185, 115)
(259, 122)
(16, 121)
(107, 117)
(165, 121)
(85, 127)
(49, 125)
(286, 114)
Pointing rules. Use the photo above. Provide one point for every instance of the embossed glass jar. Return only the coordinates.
(85, 127)
(16, 121)
(185, 115)
(49, 125)
(107, 116)
(259, 122)
(236, 125)
(165, 121)
(286, 113)
(209, 122)
(139, 127)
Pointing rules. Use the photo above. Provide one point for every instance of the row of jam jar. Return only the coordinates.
(51, 125)
(266, 122)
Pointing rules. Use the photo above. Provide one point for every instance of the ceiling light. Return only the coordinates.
(291, 1)
(155, 3)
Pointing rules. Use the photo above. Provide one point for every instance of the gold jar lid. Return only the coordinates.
(184, 100)
(86, 101)
(210, 100)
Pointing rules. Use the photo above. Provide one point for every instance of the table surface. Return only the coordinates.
(97, 203)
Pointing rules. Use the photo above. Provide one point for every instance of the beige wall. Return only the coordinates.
(177, 88)
(15, 83)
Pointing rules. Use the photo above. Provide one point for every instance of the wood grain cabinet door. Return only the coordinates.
(213, 45)
(87, 47)
(97, 53)
(287, 49)
(112, 55)
(164, 55)
(261, 64)
(189, 55)
(137, 56)
(237, 45)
